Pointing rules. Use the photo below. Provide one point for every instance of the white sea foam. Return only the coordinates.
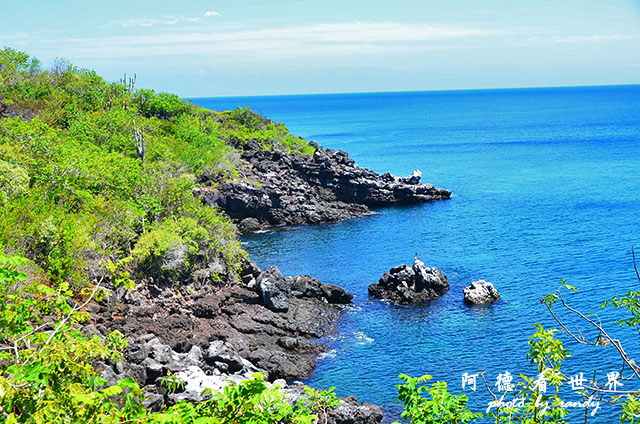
(363, 338)
(354, 308)
(330, 354)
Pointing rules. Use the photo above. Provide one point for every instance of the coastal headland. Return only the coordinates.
(130, 203)
(279, 189)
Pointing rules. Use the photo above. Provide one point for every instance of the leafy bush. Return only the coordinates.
(152, 248)
(15, 66)
(202, 151)
(243, 124)
(14, 182)
(161, 105)
(442, 408)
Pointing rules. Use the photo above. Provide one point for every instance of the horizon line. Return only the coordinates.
(533, 87)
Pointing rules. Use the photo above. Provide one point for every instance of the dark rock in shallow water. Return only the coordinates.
(429, 279)
(480, 293)
(336, 294)
(282, 189)
(416, 285)
(249, 225)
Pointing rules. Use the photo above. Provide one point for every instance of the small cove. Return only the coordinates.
(546, 186)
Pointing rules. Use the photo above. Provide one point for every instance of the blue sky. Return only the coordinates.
(235, 47)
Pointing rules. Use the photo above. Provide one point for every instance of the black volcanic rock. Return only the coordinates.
(209, 336)
(277, 188)
(416, 285)
(266, 320)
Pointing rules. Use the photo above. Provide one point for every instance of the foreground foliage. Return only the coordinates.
(442, 408)
(47, 372)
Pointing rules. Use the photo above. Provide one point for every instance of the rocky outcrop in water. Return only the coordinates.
(277, 188)
(415, 285)
(480, 292)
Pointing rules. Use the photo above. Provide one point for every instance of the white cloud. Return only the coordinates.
(149, 22)
(352, 38)
(18, 36)
(211, 13)
(592, 38)
(355, 32)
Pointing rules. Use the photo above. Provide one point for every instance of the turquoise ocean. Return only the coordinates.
(546, 186)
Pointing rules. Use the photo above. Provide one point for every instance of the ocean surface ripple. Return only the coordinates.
(546, 186)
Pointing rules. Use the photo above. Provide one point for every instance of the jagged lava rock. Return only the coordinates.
(264, 322)
(416, 285)
(276, 188)
(274, 289)
(480, 292)
(194, 370)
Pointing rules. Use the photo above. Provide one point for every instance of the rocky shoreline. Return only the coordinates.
(278, 189)
(211, 335)
(192, 313)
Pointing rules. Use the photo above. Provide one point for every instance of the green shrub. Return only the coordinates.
(243, 124)
(173, 247)
(154, 245)
(161, 105)
(15, 66)
(441, 408)
(14, 182)
(202, 151)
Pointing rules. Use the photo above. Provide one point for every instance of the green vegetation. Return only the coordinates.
(243, 124)
(97, 175)
(442, 408)
(47, 374)
(101, 170)
(96, 178)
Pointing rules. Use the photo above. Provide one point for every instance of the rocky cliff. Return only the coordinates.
(276, 188)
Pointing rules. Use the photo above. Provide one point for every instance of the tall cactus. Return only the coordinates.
(141, 145)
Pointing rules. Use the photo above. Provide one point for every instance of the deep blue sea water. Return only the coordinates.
(546, 185)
